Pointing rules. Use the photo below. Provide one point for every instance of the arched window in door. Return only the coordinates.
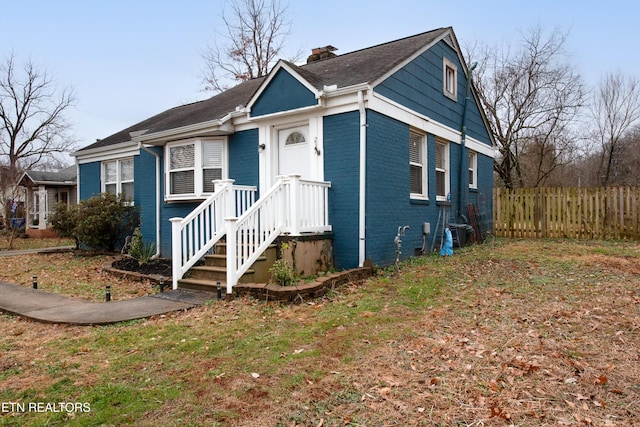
(295, 137)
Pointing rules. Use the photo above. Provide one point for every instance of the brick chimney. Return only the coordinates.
(319, 53)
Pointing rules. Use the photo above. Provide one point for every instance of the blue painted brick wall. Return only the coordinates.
(144, 169)
(243, 157)
(389, 205)
(341, 157)
(89, 180)
(283, 93)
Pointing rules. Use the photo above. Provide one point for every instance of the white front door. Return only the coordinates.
(294, 152)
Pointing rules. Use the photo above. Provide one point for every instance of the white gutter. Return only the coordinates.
(158, 196)
(363, 177)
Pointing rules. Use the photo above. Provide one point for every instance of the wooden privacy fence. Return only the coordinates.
(579, 213)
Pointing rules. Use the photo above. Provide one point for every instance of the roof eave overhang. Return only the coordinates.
(218, 127)
(53, 183)
(331, 92)
(105, 150)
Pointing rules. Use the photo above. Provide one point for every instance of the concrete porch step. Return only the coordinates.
(202, 285)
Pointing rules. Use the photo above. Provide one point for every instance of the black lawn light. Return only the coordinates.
(108, 293)
(35, 282)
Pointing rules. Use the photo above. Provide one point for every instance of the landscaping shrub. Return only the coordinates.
(140, 251)
(282, 273)
(64, 220)
(100, 222)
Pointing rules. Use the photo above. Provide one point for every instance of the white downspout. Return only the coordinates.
(158, 196)
(363, 179)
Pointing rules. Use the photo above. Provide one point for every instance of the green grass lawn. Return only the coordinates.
(510, 332)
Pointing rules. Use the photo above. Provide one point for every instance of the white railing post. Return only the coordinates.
(232, 252)
(294, 204)
(229, 201)
(176, 250)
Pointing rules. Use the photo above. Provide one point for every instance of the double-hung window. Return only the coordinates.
(473, 169)
(417, 161)
(450, 79)
(117, 177)
(442, 170)
(193, 166)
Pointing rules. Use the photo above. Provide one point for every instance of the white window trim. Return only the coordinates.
(119, 181)
(473, 168)
(198, 193)
(425, 182)
(446, 170)
(448, 65)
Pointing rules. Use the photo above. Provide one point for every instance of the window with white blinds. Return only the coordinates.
(473, 169)
(117, 177)
(192, 166)
(182, 169)
(417, 160)
(442, 170)
(212, 164)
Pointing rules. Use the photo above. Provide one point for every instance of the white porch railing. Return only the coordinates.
(193, 236)
(291, 206)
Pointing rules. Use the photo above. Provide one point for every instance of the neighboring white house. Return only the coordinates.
(43, 190)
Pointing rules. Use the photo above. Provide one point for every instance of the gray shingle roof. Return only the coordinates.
(67, 175)
(361, 66)
(184, 115)
(367, 65)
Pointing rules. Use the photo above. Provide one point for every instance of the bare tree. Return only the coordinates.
(629, 163)
(615, 110)
(32, 113)
(255, 33)
(531, 96)
(34, 127)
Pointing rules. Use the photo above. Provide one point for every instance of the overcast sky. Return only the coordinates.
(129, 60)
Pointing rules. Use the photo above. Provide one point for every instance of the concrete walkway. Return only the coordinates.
(36, 251)
(54, 308)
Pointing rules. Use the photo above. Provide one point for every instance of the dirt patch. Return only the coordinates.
(629, 265)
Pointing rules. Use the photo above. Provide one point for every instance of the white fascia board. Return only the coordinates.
(217, 127)
(271, 116)
(426, 124)
(282, 65)
(109, 152)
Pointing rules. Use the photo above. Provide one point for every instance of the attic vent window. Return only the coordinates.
(450, 79)
(295, 138)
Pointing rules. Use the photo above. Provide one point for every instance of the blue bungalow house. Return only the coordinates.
(351, 146)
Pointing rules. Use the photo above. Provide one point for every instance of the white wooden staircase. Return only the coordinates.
(292, 206)
(206, 277)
